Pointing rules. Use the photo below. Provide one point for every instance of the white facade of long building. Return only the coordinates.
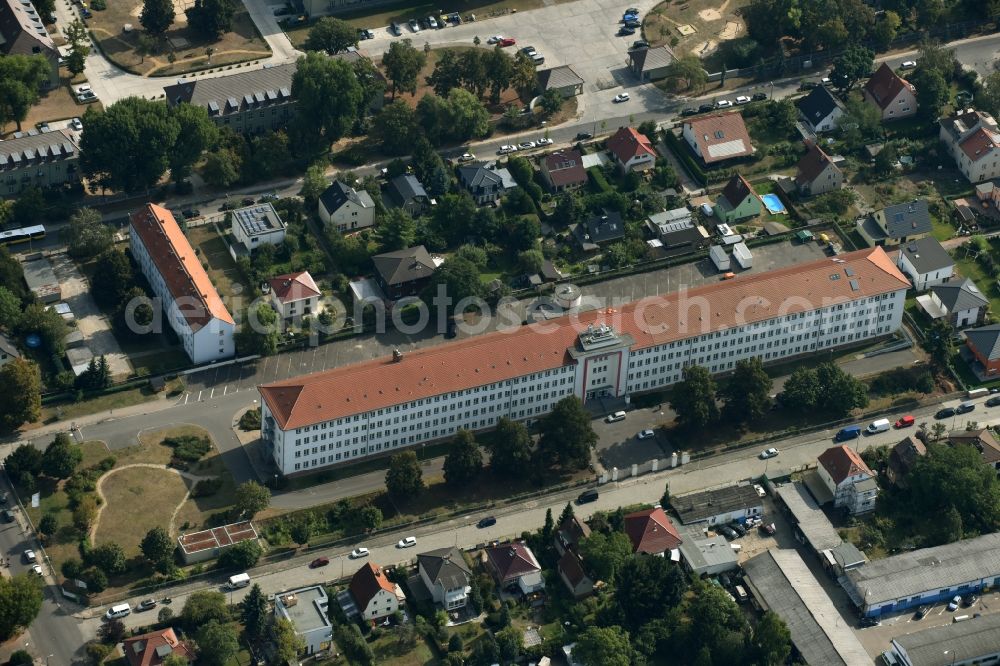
(601, 361)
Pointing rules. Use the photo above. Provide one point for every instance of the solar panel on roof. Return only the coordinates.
(855, 286)
(849, 271)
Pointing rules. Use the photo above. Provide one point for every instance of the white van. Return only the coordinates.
(120, 610)
(960, 618)
(238, 581)
(881, 425)
(741, 594)
(977, 393)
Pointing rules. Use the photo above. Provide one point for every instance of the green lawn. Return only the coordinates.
(972, 270)
(942, 230)
(71, 410)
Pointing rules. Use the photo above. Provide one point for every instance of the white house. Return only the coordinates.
(848, 479)
(306, 609)
(373, 593)
(190, 303)
(257, 225)
(350, 412)
(961, 304)
(926, 263)
(821, 110)
(345, 208)
(294, 295)
(446, 576)
(973, 140)
(631, 150)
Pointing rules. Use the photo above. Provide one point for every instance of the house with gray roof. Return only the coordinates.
(651, 64)
(821, 110)
(598, 230)
(249, 102)
(446, 576)
(38, 159)
(961, 304)
(8, 350)
(408, 193)
(984, 343)
(404, 272)
(719, 505)
(974, 641)
(781, 582)
(925, 262)
(484, 183)
(927, 575)
(561, 78)
(345, 208)
(706, 555)
(22, 32)
(897, 224)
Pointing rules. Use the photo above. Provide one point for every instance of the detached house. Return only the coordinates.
(983, 440)
(446, 576)
(373, 593)
(897, 224)
(821, 110)
(651, 64)
(345, 208)
(573, 576)
(816, 173)
(408, 193)
(891, 94)
(599, 230)
(294, 295)
(153, 648)
(973, 140)
(563, 170)
(961, 304)
(631, 150)
(715, 139)
(738, 201)
(514, 564)
(925, 262)
(848, 479)
(484, 183)
(651, 532)
(403, 272)
(984, 343)
(902, 458)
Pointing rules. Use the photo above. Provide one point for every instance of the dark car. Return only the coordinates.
(626, 30)
(807, 85)
(3, 498)
(640, 44)
(870, 622)
(191, 212)
(588, 496)
(945, 413)
(365, 33)
(319, 562)
(728, 532)
(970, 600)
(690, 111)
(758, 97)
(488, 521)
(8, 516)
(705, 108)
(583, 136)
(993, 402)
(395, 29)
(146, 604)
(921, 612)
(739, 529)
(964, 408)
(248, 201)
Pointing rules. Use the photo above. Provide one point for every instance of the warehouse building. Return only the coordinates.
(973, 641)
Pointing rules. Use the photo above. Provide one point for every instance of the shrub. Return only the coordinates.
(21, 658)
(97, 652)
(189, 448)
(206, 487)
(99, 5)
(250, 419)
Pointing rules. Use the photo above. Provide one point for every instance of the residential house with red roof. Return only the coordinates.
(984, 440)
(513, 564)
(651, 532)
(890, 93)
(973, 140)
(573, 576)
(152, 648)
(294, 295)
(569, 534)
(563, 170)
(631, 150)
(717, 138)
(848, 479)
(737, 201)
(816, 173)
(373, 593)
(902, 458)
(191, 304)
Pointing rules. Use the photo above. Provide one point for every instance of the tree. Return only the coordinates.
(855, 63)
(21, 658)
(211, 18)
(939, 342)
(314, 182)
(21, 80)
(202, 607)
(221, 168)
(460, 279)
(85, 513)
(195, 135)
(111, 278)
(109, 558)
(396, 231)
(157, 545)
(800, 391)
(747, 394)
(173, 659)
(10, 308)
(87, 235)
(301, 530)
(839, 392)
(356, 649)
(988, 95)
(23, 385)
(112, 632)
(287, 643)
(693, 398)
(510, 642)
(605, 554)
(217, 643)
(79, 44)
(61, 457)
(551, 101)
(48, 324)
(647, 588)
(402, 64)
(510, 447)
(261, 331)
(395, 127)
(469, 118)
(686, 73)
(254, 613)
(524, 77)
(933, 92)
(327, 99)
(332, 35)
(48, 524)
(567, 437)
(251, 499)
(499, 71)
(126, 147)
(156, 16)
(771, 639)
(369, 517)
(404, 478)
(885, 29)
(665, 497)
(464, 460)
(604, 646)
(937, 57)
(24, 461)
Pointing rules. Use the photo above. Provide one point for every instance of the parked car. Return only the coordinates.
(689, 112)
(583, 136)
(965, 407)
(921, 612)
(466, 157)
(908, 64)
(742, 99)
(633, 22)
(632, 10)
(758, 97)
(8, 516)
(544, 141)
(905, 422)
(408, 542)
(365, 33)
(870, 621)
(739, 529)
(587, 496)
(506, 148)
(705, 108)
(29, 555)
(3, 497)
(527, 145)
(76, 124)
(528, 50)
(626, 30)
(495, 39)
(970, 600)
(768, 453)
(190, 213)
(507, 41)
(646, 434)
(993, 402)
(319, 562)
(640, 44)
(488, 521)
(945, 413)
(807, 85)
(728, 532)
(768, 529)
(432, 23)
(955, 602)
(359, 552)
(760, 490)
(723, 104)
(622, 97)
(414, 26)
(617, 416)
(36, 569)
(395, 29)
(146, 604)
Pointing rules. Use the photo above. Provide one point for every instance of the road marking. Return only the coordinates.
(212, 394)
(225, 389)
(186, 396)
(199, 395)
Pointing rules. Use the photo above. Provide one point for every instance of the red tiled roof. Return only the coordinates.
(141, 650)
(841, 462)
(980, 144)
(720, 129)
(885, 85)
(179, 266)
(627, 143)
(493, 357)
(651, 531)
(293, 287)
(367, 582)
(511, 561)
(565, 167)
(812, 164)
(572, 568)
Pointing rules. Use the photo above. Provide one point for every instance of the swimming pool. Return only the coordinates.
(773, 204)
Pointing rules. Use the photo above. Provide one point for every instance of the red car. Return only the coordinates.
(905, 422)
(319, 562)
(508, 41)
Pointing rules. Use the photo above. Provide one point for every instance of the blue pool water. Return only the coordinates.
(773, 204)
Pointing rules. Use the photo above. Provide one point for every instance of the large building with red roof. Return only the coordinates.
(190, 303)
(404, 400)
(973, 140)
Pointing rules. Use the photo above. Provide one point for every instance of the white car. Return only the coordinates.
(36, 569)
(768, 453)
(760, 490)
(408, 542)
(527, 145)
(76, 124)
(544, 142)
(359, 552)
(908, 64)
(84, 88)
(646, 434)
(29, 555)
(467, 157)
(622, 97)
(825, 81)
(723, 104)
(504, 149)
(86, 96)
(955, 603)
(742, 99)
(495, 39)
